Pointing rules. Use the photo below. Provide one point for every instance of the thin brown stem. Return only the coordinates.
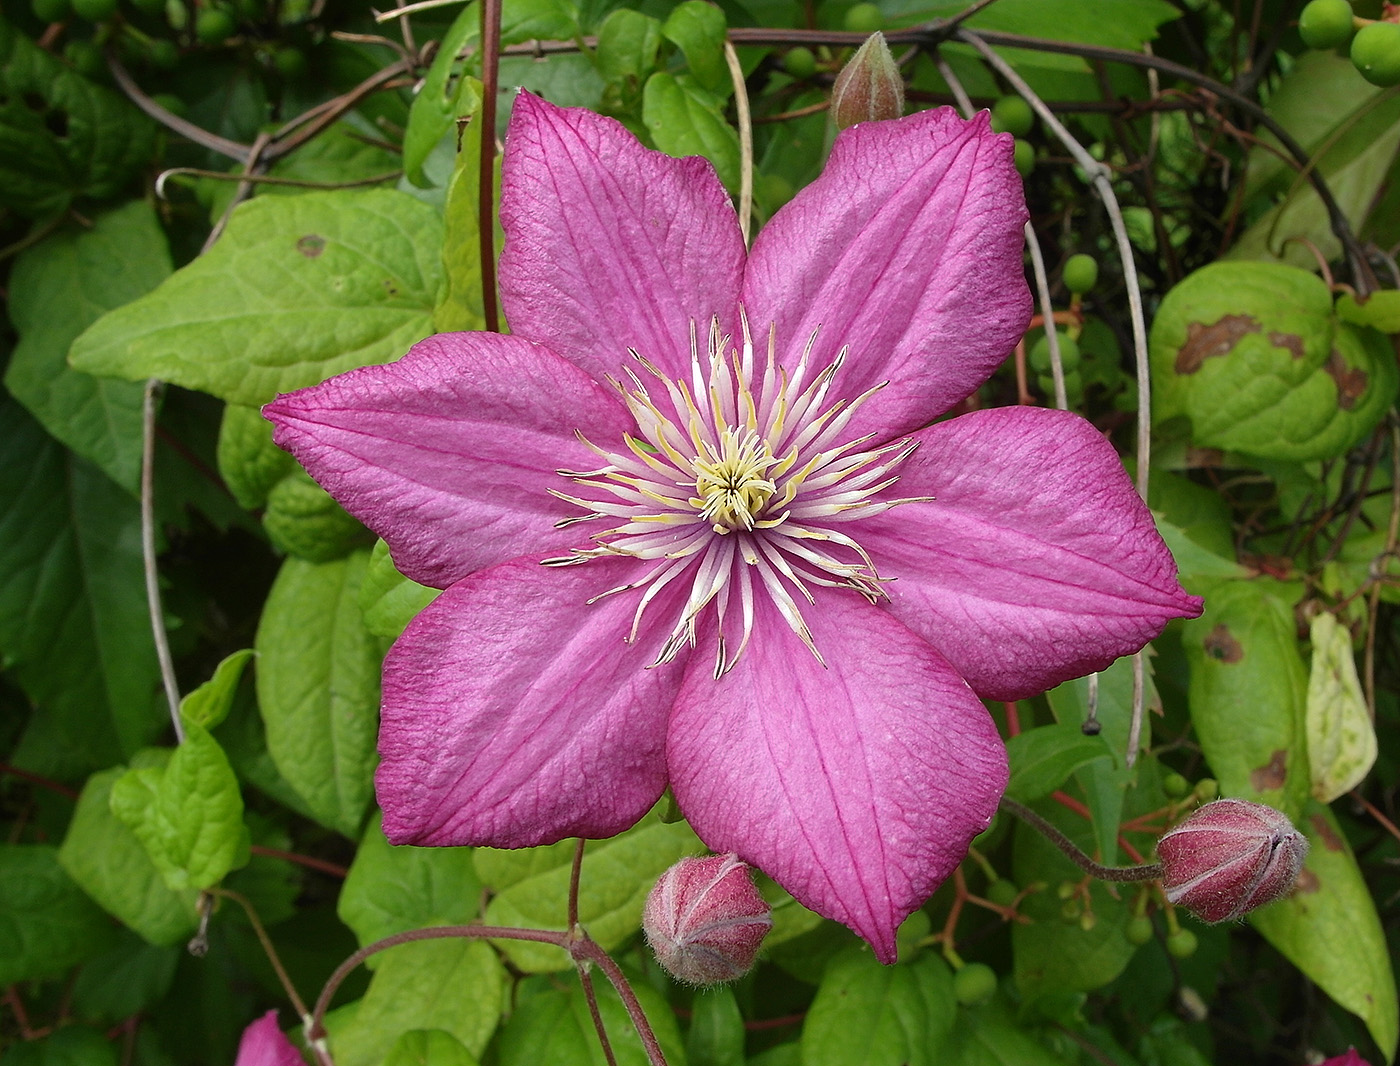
(575, 871)
(590, 994)
(269, 949)
(309, 861)
(486, 174)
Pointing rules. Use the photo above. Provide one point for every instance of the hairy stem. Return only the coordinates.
(1072, 851)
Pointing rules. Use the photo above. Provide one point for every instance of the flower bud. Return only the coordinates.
(705, 920)
(1349, 1058)
(1229, 857)
(869, 87)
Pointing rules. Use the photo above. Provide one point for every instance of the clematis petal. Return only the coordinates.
(264, 1044)
(449, 453)
(514, 714)
(1036, 561)
(857, 787)
(907, 249)
(610, 245)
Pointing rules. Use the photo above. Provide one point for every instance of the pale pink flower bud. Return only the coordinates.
(1229, 857)
(705, 920)
(869, 87)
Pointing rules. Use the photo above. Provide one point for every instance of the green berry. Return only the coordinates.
(1207, 789)
(290, 63)
(1070, 356)
(864, 18)
(1138, 930)
(1181, 944)
(1375, 51)
(50, 10)
(1002, 892)
(800, 62)
(1081, 273)
(1325, 23)
(163, 54)
(86, 58)
(95, 10)
(1012, 115)
(975, 983)
(1070, 910)
(214, 26)
(1176, 786)
(1024, 158)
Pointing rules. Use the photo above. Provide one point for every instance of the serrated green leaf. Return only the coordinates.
(1248, 695)
(879, 1015)
(552, 1024)
(1379, 310)
(455, 985)
(442, 98)
(74, 625)
(627, 44)
(1330, 930)
(619, 873)
(47, 924)
(188, 814)
(1043, 759)
(104, 857)
(58, 288)
(698, 30)
(716, 1034)
(301, 519)
(429, 1047)
(392, 889)
(1341, 736)
(61, 136)
(389, 600)
(249, 462)
(297, 289)
(684, 119)
(318, 687)
(209, 704)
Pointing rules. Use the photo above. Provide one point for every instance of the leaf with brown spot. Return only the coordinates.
(1218, 338)
(311, 245)
(1325, 833)
(1291, 341)
(1351, 384)
(1219, 644)
(1273, 774)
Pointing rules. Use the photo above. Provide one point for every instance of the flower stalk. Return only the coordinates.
(1144, 872)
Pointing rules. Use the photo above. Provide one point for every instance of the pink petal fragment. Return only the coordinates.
(857, 787)
(610, 245)
(264, 1044)
(449, 453)
(515, 714)
(907, 249)
(1035, 563)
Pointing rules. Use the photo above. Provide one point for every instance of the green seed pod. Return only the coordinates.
(1070, 356)
(163, 54)
(1002, 892)
(1081, 273)
(1207, 789)
(800, 62)
(1375, 51)
(1024, 158)
(1012, 115)
(1181, 944)
(1138, 931)
(864, 18)
(975, 983)
(1325, 23)
(1176, 786)
(214, 25)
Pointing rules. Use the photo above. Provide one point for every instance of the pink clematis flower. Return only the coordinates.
(264, 1044)
(702, 446)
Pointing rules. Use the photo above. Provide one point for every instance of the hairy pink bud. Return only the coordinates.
(705, 920)
(869, 87)
(1229, 857)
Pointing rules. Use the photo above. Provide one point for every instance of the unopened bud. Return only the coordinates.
(869, 87)
(1348, 1058)
(705, 920)
(1229, 857)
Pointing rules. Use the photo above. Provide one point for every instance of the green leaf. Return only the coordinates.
(1043, 759)
(684, 119)
(989, 1036)
(618, 874)
(58, 288)
(297, 289)
(1192, 559)
(47, 924)
(388, 599)
(879, 1015)
(716, 1035)
(72, 1045)
(129, 978)
(74, 625)
(539, 20)
(698, 30)
(1330, 930)
(627, 44)
(249, 462)
(442, 98)
(104, 857)
(1248, 695)
(318, 687)
(1250, 354)
(301, 519)
(188, 814)
(393, 889)
(1341, 735)
(551, 1024)
(61, 136)
(429, 1047)
(1379, 310)
(461, 305)
(209, 704)
(455, 985)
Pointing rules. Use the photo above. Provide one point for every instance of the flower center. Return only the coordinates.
(738, 483)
